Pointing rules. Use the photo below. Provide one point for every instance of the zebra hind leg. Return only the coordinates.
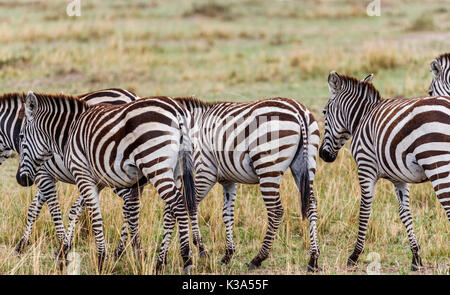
(165, 185)
(229, 195)
(402, 190)
(313, 264)
(203, 183)
(311, 214)
(442, 189)
(169, 226)
(197, 237)
(270, 190)
(131, 209)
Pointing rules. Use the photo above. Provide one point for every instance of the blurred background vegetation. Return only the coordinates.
(229, 50)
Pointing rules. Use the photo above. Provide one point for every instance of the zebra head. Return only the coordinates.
(440, 67)
(34, 146)
(343, 92)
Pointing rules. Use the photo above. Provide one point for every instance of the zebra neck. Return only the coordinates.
(196, 107)
(60, 118)
(358, 112)
(10, 121)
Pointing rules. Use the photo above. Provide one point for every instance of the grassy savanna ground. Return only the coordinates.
(228, 50)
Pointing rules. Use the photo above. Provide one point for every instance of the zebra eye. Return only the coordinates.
(324, 111)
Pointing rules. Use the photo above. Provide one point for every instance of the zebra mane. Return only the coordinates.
(355, 82)
(195, 101)
(58, 96)
(444, 56)
(12, 95)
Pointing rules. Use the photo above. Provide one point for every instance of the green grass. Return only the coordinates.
(228, 50)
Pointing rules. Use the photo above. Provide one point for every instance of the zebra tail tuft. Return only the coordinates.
(187, 167)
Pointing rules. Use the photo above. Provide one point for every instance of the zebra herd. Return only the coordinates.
(183, 146)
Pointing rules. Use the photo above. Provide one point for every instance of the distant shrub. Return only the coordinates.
(422, 23)
(210, 9)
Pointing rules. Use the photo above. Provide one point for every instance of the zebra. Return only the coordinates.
(54, 170)
(252, 143)
(114, 146)
(440, 67)
(401, 140)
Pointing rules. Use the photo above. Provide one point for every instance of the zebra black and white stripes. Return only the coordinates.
(440, 67)
(253, 143)
(53, 170)
(402, 140)
(114, 146)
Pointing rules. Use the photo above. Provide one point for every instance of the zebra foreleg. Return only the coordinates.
(402, 190)
(74, 216)
(46, 194)
(271, 196)
(229, 195)
(33, 212)
(90, 194)
(367, 188)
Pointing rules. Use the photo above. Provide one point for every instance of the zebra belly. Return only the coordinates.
(241, 172)
(409, 171)
(124, 176)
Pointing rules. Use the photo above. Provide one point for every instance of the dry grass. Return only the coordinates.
(338, 199)
(235, 51)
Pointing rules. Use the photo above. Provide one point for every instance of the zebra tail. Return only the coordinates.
(300, 170)
(187, 167)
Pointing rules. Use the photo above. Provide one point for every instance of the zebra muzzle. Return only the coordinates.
(327, 156)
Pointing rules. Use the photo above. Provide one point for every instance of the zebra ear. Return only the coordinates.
(368, 78)
(435, 68)
(334, 82)
(30, 104)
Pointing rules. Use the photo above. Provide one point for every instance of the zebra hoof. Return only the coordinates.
(187, 269)
(118, 255)
(416, 267)
(159, 267)
(351, 263)
(204, 254)
(61, 263)
(313, 265)
(252, 266)
(20, 248)
(416, 263)
(226, 260)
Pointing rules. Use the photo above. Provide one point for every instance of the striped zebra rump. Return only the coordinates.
(249, 143)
